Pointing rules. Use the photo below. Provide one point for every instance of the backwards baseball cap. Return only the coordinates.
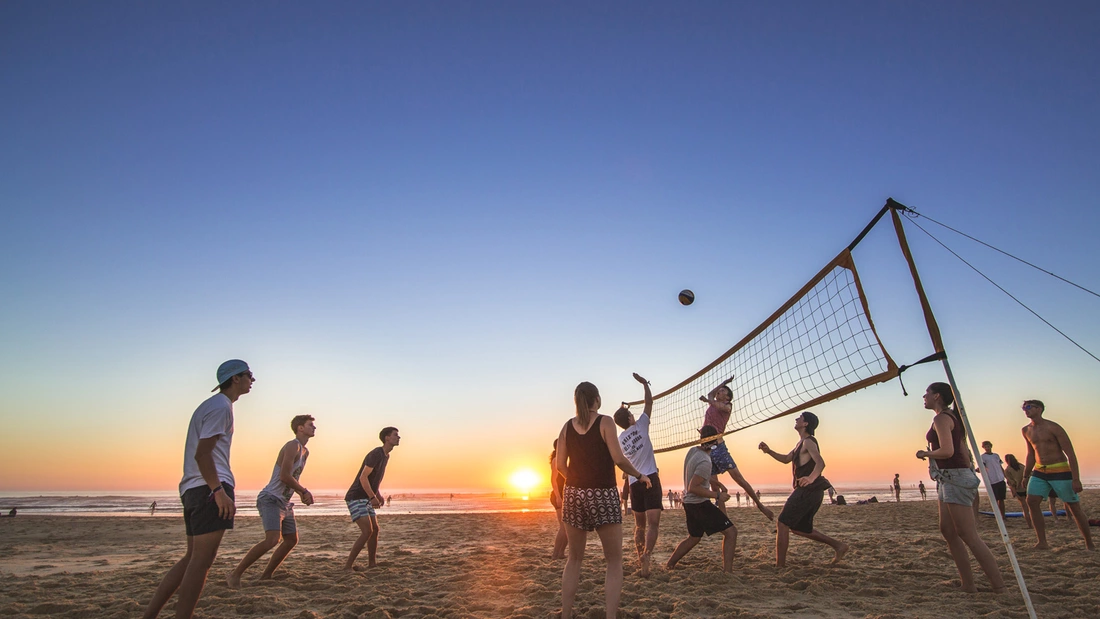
(811, 421)
(707, 431)
(229, 369)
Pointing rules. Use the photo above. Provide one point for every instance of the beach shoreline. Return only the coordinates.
(498, 565)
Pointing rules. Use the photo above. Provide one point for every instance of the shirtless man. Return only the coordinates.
(718, 414)
(1051, 465)
(809, 490)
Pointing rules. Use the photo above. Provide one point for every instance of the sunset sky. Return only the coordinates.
(443, 216)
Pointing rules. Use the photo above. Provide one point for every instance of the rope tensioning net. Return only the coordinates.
(817, 347)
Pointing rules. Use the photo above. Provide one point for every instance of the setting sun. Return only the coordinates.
(525, 479)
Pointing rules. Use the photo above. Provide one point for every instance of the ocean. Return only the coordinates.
(331, 502)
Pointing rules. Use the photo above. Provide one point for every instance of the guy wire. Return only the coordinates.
(1021, 303)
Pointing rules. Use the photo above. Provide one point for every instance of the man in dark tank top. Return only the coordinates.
(809, 491)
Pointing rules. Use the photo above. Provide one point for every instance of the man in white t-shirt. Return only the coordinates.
(206, 490)
(646, 503)
(996, 470)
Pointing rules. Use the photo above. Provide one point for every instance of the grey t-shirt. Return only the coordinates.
(697, 462)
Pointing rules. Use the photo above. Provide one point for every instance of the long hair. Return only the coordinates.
(948, 396)
(1013, 462)
(584, 397)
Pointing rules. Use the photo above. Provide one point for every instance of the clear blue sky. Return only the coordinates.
(442, 216)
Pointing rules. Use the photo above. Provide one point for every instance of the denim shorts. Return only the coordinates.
(957, 486)
(276, 513)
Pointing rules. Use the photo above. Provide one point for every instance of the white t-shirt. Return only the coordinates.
(698, 463)
(638, 448)
(214, 417)
(995, 467)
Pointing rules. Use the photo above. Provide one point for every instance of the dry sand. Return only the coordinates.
(498, 565)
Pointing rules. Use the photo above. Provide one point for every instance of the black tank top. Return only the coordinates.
(803, 470)
(588, 461)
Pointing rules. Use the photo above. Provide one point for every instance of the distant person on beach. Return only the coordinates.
(996, 471)
(645, 501)
(273, 502)
(389, 499)
(206, 490)
(897, 487)
(557, 485)
(364, 497)
(923, 490)
(704, 517)
(12, 512)
(739, 498)
(720, 401)
(588, 451)
(950, 465)
(809, 486)
(152, 508)
(670, 499)
(1052, 466)
(1014, 479)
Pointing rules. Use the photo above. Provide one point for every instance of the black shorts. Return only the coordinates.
(999, 488)
(200, 511)
(801, 507)
(643, 499)
(705, 518)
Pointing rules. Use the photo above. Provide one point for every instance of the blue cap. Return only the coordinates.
(229, 369)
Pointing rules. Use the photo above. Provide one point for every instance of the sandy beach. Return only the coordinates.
(498, 565)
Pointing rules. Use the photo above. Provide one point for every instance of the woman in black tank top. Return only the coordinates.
(956, 517)
(588, 450)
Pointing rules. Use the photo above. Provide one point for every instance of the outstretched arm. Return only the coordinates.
(712, 397)
(607, 431)
(648, 410)
(784, 458)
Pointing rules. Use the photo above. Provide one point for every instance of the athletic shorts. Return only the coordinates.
(721, 460)
(801, 507)
(643, 499)
(1042, 484)
(200, 511)
(590, 508)
(360, 508)
(705, 518)
(999, 488)
(276, 513)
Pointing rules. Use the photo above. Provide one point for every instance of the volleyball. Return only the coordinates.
(687, 297)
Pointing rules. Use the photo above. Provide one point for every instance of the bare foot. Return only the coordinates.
(265, 577)
(233, 580)
(355, 568)
(840, 552)
(645, 565)
(1041, 546)
(999, 590)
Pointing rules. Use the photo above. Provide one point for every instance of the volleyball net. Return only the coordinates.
(818, 346)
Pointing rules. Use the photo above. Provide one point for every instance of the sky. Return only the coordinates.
(443, 216)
